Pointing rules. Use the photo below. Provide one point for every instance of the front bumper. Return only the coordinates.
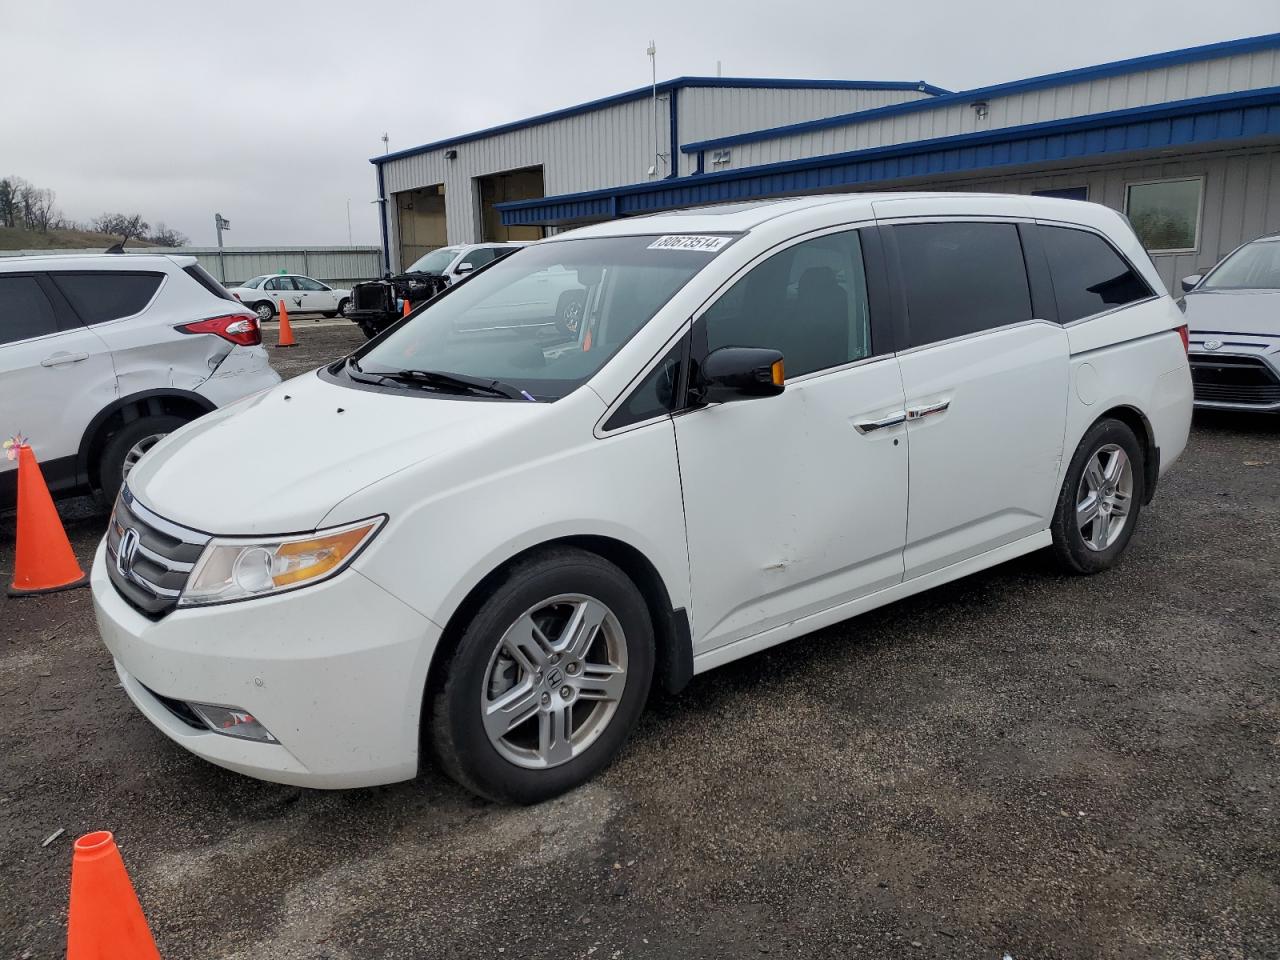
(1245, 379)
(336, 672)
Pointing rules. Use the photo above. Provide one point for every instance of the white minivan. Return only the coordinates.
(492, 542)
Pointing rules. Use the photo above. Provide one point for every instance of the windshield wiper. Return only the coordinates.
(459, 382)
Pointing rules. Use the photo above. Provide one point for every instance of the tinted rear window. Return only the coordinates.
(1088, 275)
(25, 311)
(101, 296)
(961, 278)
(207, 280)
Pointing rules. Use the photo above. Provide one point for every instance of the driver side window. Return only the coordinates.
(808, 301)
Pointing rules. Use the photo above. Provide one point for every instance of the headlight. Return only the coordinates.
(242, 567)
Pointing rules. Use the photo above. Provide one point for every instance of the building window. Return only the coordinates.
(1166, 214)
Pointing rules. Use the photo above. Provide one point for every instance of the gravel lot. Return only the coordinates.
(1019, 762)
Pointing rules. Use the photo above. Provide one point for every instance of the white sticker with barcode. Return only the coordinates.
(689, 241)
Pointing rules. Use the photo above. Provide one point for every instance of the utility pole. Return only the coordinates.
(220, 224)
(349, 241)
(386, 143)
(653, 65)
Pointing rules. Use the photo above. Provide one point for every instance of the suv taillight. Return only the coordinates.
(1186, 339)
(239, 328)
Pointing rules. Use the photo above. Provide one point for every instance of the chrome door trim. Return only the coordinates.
(928, 410)
(892, 420)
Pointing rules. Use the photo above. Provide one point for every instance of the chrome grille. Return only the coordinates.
(159, 556)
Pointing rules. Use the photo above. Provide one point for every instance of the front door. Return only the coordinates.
(986, 379)
(798, 502)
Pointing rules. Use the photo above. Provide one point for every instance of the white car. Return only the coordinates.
(300, 295)
(776, 416)
(100, 356)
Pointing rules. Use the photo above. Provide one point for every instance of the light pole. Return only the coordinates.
(653, 64)
(220, 224)
(350, 243)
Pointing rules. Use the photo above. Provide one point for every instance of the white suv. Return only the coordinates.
(102, 355)
(493, 542)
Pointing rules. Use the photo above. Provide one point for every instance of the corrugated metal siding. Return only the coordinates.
(585, 152)
(1241, 199)
(1179, 82)
(707, 112)
(336, 266)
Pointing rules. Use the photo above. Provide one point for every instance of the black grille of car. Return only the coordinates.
(371, 296)
(159, 556)
(179, 709)
(1227, 379)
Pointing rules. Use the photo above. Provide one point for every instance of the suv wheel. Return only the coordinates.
(264, 310)
(127, 446)
(569, 312)
(547, 680)
(1100, 500)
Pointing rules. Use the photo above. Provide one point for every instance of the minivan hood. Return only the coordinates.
(1252, 312)
(278, 461)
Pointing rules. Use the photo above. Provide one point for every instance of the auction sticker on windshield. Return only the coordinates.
(687, 241)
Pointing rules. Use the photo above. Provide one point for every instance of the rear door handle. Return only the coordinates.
(928, 410)
(871, 426)
(58, 359)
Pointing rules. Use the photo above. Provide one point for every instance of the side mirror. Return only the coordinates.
(464, 268)
(1188, 283)
(736, 373)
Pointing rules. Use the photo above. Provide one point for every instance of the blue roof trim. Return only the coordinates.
(1151, 61)
(641, 93)
(1227, 116)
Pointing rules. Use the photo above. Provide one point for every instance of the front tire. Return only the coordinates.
(126, 446)
(343, 306)
(1100, 500)
(547, 681)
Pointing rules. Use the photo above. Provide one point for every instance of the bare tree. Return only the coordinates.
(125, 226)
(163, 236)
(37, 208)
(8, 203)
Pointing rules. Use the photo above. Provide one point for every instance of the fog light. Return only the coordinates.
(232, 722)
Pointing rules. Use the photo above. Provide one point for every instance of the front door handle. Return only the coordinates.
(871, 426)
(58, 359)
(928, 410)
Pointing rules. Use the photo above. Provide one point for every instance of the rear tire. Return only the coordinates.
(1104, 487)
(573, 688)
(265, 310)
(126, 446)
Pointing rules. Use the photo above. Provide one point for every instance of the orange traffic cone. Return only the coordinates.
(43, 561)
(286, 331)
(105, 918)
(407, 306)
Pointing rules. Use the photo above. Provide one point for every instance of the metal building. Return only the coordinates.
(1186, 143)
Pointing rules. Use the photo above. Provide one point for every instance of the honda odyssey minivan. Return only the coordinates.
(491, 542)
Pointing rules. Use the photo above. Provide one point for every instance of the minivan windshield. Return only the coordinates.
(434, 262)
(538, 323)
(1255, 266)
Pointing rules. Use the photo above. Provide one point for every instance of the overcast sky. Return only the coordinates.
(268, 111)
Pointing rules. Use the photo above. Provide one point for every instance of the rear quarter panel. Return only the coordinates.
(1131, 357)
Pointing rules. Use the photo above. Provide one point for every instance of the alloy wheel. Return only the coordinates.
(137, 450)
(1104, 497)
(264, 312)
(554, 681)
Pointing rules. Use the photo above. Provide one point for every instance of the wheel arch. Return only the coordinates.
(1137, 421)
(673, 640)
(147, 403)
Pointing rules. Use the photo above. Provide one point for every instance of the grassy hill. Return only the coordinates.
(12, 238)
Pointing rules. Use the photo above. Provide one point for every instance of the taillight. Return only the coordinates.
(1186, 339)
(238, 328)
